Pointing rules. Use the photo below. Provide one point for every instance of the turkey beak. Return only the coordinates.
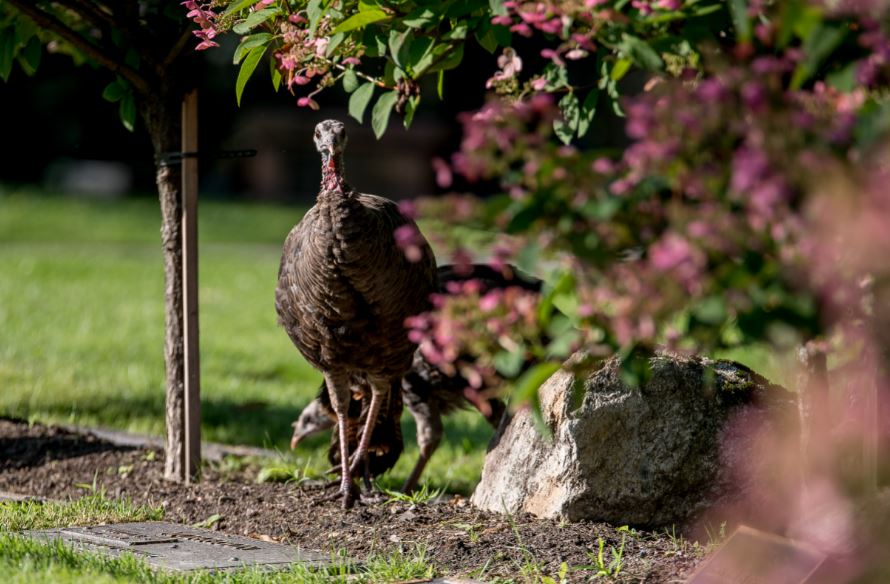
(295, 439)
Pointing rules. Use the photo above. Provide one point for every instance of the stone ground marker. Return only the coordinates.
(179, 547)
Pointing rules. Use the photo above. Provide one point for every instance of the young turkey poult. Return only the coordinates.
(344, 291)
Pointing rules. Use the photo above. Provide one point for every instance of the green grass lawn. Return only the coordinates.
(81, 327)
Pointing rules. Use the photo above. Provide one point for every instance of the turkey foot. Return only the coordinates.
(352, 495)
(373, 498)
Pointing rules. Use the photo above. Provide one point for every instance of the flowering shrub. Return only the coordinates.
(711, 229)
(702, 233)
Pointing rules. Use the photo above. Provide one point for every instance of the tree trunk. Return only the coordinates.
(162, 116)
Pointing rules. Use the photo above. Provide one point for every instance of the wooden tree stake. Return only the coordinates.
(192, 415)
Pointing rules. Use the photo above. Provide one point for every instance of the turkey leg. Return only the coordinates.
(378, 387)
(429, 436)
(338, 390)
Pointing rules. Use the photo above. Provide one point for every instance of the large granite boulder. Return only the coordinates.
(654, 454)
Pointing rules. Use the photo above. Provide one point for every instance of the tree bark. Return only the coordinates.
(162, 116)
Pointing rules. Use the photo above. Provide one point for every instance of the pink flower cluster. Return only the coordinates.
(470, 325)
(205, 18)
(574, 24)
(303, 60)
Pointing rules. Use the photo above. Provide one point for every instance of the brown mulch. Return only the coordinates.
(49, 462)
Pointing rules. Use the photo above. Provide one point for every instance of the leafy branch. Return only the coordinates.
(102, 56)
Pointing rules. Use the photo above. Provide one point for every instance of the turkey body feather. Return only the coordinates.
(343, 282)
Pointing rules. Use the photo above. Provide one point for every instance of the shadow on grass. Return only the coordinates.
(225, 420)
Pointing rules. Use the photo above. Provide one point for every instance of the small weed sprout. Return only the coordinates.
(420, 496)
(471, 529)
(92, 488)
(561, 576)
(604, 570)
(288, 471)
(715, 539)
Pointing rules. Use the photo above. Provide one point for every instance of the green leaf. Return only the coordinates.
(458, 33)
(622, 66)
(509, 363)
(248, 43)
(381, 111)
(641, 53)
(275, 74)
(359, 100)
(503, 35)
(24, 30)
(420, 55)
(562, 344)
(452, 57)
(556, 77)
(410, 109)
(132, 58)
(497, 7)
(487, 40)
(527, 385)
(420, 18)
(844, 80)
(314, 11)
(399, 44)
(7, 52)
(247, 69)
(361, 20)
(566, 126)
(374, 41)
(710, 310)
(236, 7)
(114, 91)
(334, 42)
(254, 19)
(818, 46)
(616, 107)
(350, 81)
(440, 84)
(741, 22)
(588, 111)
(29, 57)
(128, 111)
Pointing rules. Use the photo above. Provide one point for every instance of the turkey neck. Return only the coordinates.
(332, 174)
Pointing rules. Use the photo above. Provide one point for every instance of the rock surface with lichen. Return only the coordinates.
(654, 453)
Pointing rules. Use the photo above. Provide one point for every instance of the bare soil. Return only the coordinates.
(49, 462)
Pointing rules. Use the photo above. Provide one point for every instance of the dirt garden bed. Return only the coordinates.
(50, 462)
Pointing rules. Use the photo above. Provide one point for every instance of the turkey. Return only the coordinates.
(344, 291)
(428, 393)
